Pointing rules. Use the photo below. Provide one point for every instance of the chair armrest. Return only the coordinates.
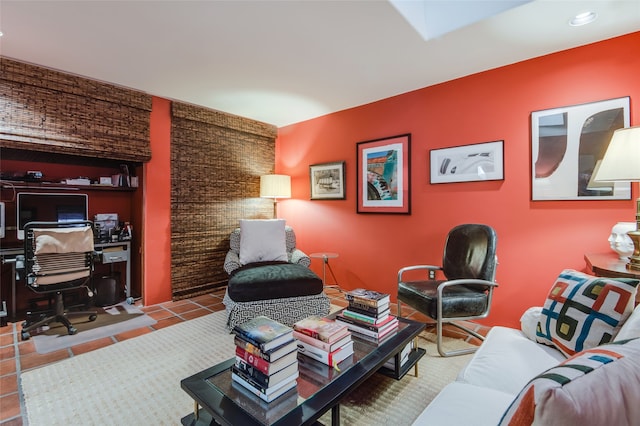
(467, 283)
(300, 257)
(425, 268)
(231, 262)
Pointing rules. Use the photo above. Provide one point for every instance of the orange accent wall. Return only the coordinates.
(157, 208)
(536, 239)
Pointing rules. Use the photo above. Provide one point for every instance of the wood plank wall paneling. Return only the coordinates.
(51, 111)
(216, 163)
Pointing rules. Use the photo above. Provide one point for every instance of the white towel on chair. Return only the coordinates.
(63, 240)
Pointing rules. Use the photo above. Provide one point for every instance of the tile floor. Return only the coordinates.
(17, 356)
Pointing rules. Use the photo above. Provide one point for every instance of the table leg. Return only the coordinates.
(415, 366)
(335, 415)
(196, 409)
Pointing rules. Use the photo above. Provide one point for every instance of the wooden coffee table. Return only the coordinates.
(218, 400)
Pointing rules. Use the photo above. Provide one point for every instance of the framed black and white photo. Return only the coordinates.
(566, 145)
(327, 181)
(468, 163)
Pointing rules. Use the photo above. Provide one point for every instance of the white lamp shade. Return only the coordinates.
(275, 186)
(621, 162)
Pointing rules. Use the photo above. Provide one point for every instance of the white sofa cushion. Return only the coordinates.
(599, 386)
(262, 241)
(507, 360)
(631, 327)
(460, 404)
(583, 311)
(529, 322)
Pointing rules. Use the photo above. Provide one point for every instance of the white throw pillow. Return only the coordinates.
(529, 322)
(631, 327)
(262, 241)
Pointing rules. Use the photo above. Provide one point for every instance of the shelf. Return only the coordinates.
(56, 186)
(414, 357)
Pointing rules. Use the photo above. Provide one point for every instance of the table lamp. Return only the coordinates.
(275, 186)
(621, 163)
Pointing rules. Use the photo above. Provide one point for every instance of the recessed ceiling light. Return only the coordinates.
(583, 18)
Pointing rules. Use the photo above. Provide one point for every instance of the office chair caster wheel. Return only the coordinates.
(25, 335)
(92, 317)
(72, 330)
(129, 300)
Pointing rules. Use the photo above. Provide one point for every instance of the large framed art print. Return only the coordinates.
(567, 143)
(384, 176)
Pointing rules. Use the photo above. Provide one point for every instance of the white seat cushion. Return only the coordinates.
(507, 360)
(460, 404)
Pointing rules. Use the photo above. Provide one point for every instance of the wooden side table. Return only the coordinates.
(609, 265)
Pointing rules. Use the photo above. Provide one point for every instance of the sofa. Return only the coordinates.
(543, 374)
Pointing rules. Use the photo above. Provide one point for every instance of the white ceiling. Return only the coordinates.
(282, 62)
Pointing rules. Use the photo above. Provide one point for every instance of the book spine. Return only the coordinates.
(365, 309)
(364, 318)
(251, 348)
(252, 372)
(367, 302)
(361, 301)
(313, 333)
(360, 328)
(253, 382)
(249, 339)
(352, 322)
(312, 341)
(253, 360)
(314, 352)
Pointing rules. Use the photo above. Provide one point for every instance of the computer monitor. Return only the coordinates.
(48, 207)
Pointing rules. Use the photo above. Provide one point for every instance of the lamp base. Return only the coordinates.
(634, 259)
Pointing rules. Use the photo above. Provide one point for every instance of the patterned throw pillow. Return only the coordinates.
(583, 311)
(600, 386)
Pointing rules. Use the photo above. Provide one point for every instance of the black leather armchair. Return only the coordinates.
(469, 266)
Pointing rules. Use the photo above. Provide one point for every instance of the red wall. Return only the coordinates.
(536, 239)
(157, 208)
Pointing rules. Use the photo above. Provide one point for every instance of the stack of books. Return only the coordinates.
(368, 314)
(323, 339)
(266, 361)
(404, 357)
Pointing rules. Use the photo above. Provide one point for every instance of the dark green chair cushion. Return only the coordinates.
(272, 280)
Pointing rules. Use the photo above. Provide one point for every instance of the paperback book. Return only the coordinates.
(267, 395)
(368, 310)
(368, 297)
(375, 320)
(265, 380)
(404, 357)
(329, 358)
(265, 366)
(270, 355)
(370, 330)
(264, 332)
(321, 328)
(329, 347)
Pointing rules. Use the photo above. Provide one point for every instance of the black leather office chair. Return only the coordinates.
(58, 256)
(469, 266)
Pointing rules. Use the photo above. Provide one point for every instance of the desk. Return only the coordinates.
(107, 253)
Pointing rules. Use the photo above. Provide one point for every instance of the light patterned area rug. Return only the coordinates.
(137, 381)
